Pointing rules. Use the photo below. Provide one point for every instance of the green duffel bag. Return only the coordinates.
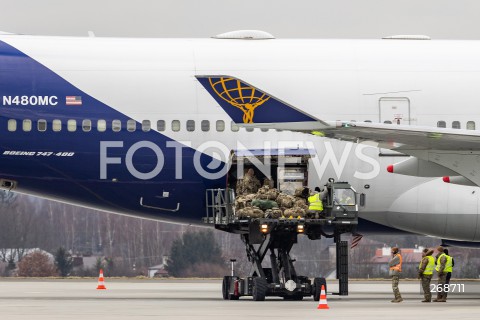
(264, 204)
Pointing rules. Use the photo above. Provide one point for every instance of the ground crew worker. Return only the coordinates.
(315, 203)
(395, 265)
(449, 273)
(444, 265)
(425, 273)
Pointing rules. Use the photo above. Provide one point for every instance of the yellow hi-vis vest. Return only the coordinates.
(448, 263)
(430, 265)
(315, 203)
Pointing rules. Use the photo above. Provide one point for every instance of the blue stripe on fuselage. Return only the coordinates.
(76, 179)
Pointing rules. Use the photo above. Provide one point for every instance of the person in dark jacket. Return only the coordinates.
(449, 273)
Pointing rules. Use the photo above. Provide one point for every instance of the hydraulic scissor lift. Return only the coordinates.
(275, 238)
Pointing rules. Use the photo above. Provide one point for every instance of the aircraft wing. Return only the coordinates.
(403, 137)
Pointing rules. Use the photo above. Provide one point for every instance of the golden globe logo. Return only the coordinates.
(240, 95)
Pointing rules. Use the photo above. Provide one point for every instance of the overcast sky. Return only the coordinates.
(440, 19)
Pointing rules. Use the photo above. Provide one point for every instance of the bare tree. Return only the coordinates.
(36, 264)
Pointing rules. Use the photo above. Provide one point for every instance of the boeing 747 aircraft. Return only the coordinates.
(144, 126)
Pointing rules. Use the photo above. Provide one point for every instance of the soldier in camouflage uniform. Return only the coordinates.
(395, 265)
(425, 273)
(239, 187)
(449, 273)
(249, 184)
(268, 182)
(444, 265)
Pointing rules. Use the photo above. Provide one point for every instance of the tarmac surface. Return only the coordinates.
(201, 299)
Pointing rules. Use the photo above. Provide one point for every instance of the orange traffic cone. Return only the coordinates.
(101, 281)
(323, 299)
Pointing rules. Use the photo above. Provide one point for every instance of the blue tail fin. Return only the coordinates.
(247, 104)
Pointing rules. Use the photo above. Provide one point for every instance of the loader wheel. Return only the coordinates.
(227, 280)
(259, 290)
(317, 287)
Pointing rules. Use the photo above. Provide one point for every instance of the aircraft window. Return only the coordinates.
(190, 125)
(353, 120)
(42, 125)
(441, 124)
(27, 125)
(175, 125)
(264, 129)
(471, 125)
(161, 125)
(12, 125)
(278, 130)
(368, 121)
(456, 125)
(72, 125)
(249, 129)
(234, 127)
(116, 125)
(86, 125)
(146, 125)
(220, 125)
(387, 122)
(57, 125)
(205, 125)
(101, 125)
(131, 125)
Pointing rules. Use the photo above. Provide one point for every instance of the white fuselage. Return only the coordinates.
(405, 81)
